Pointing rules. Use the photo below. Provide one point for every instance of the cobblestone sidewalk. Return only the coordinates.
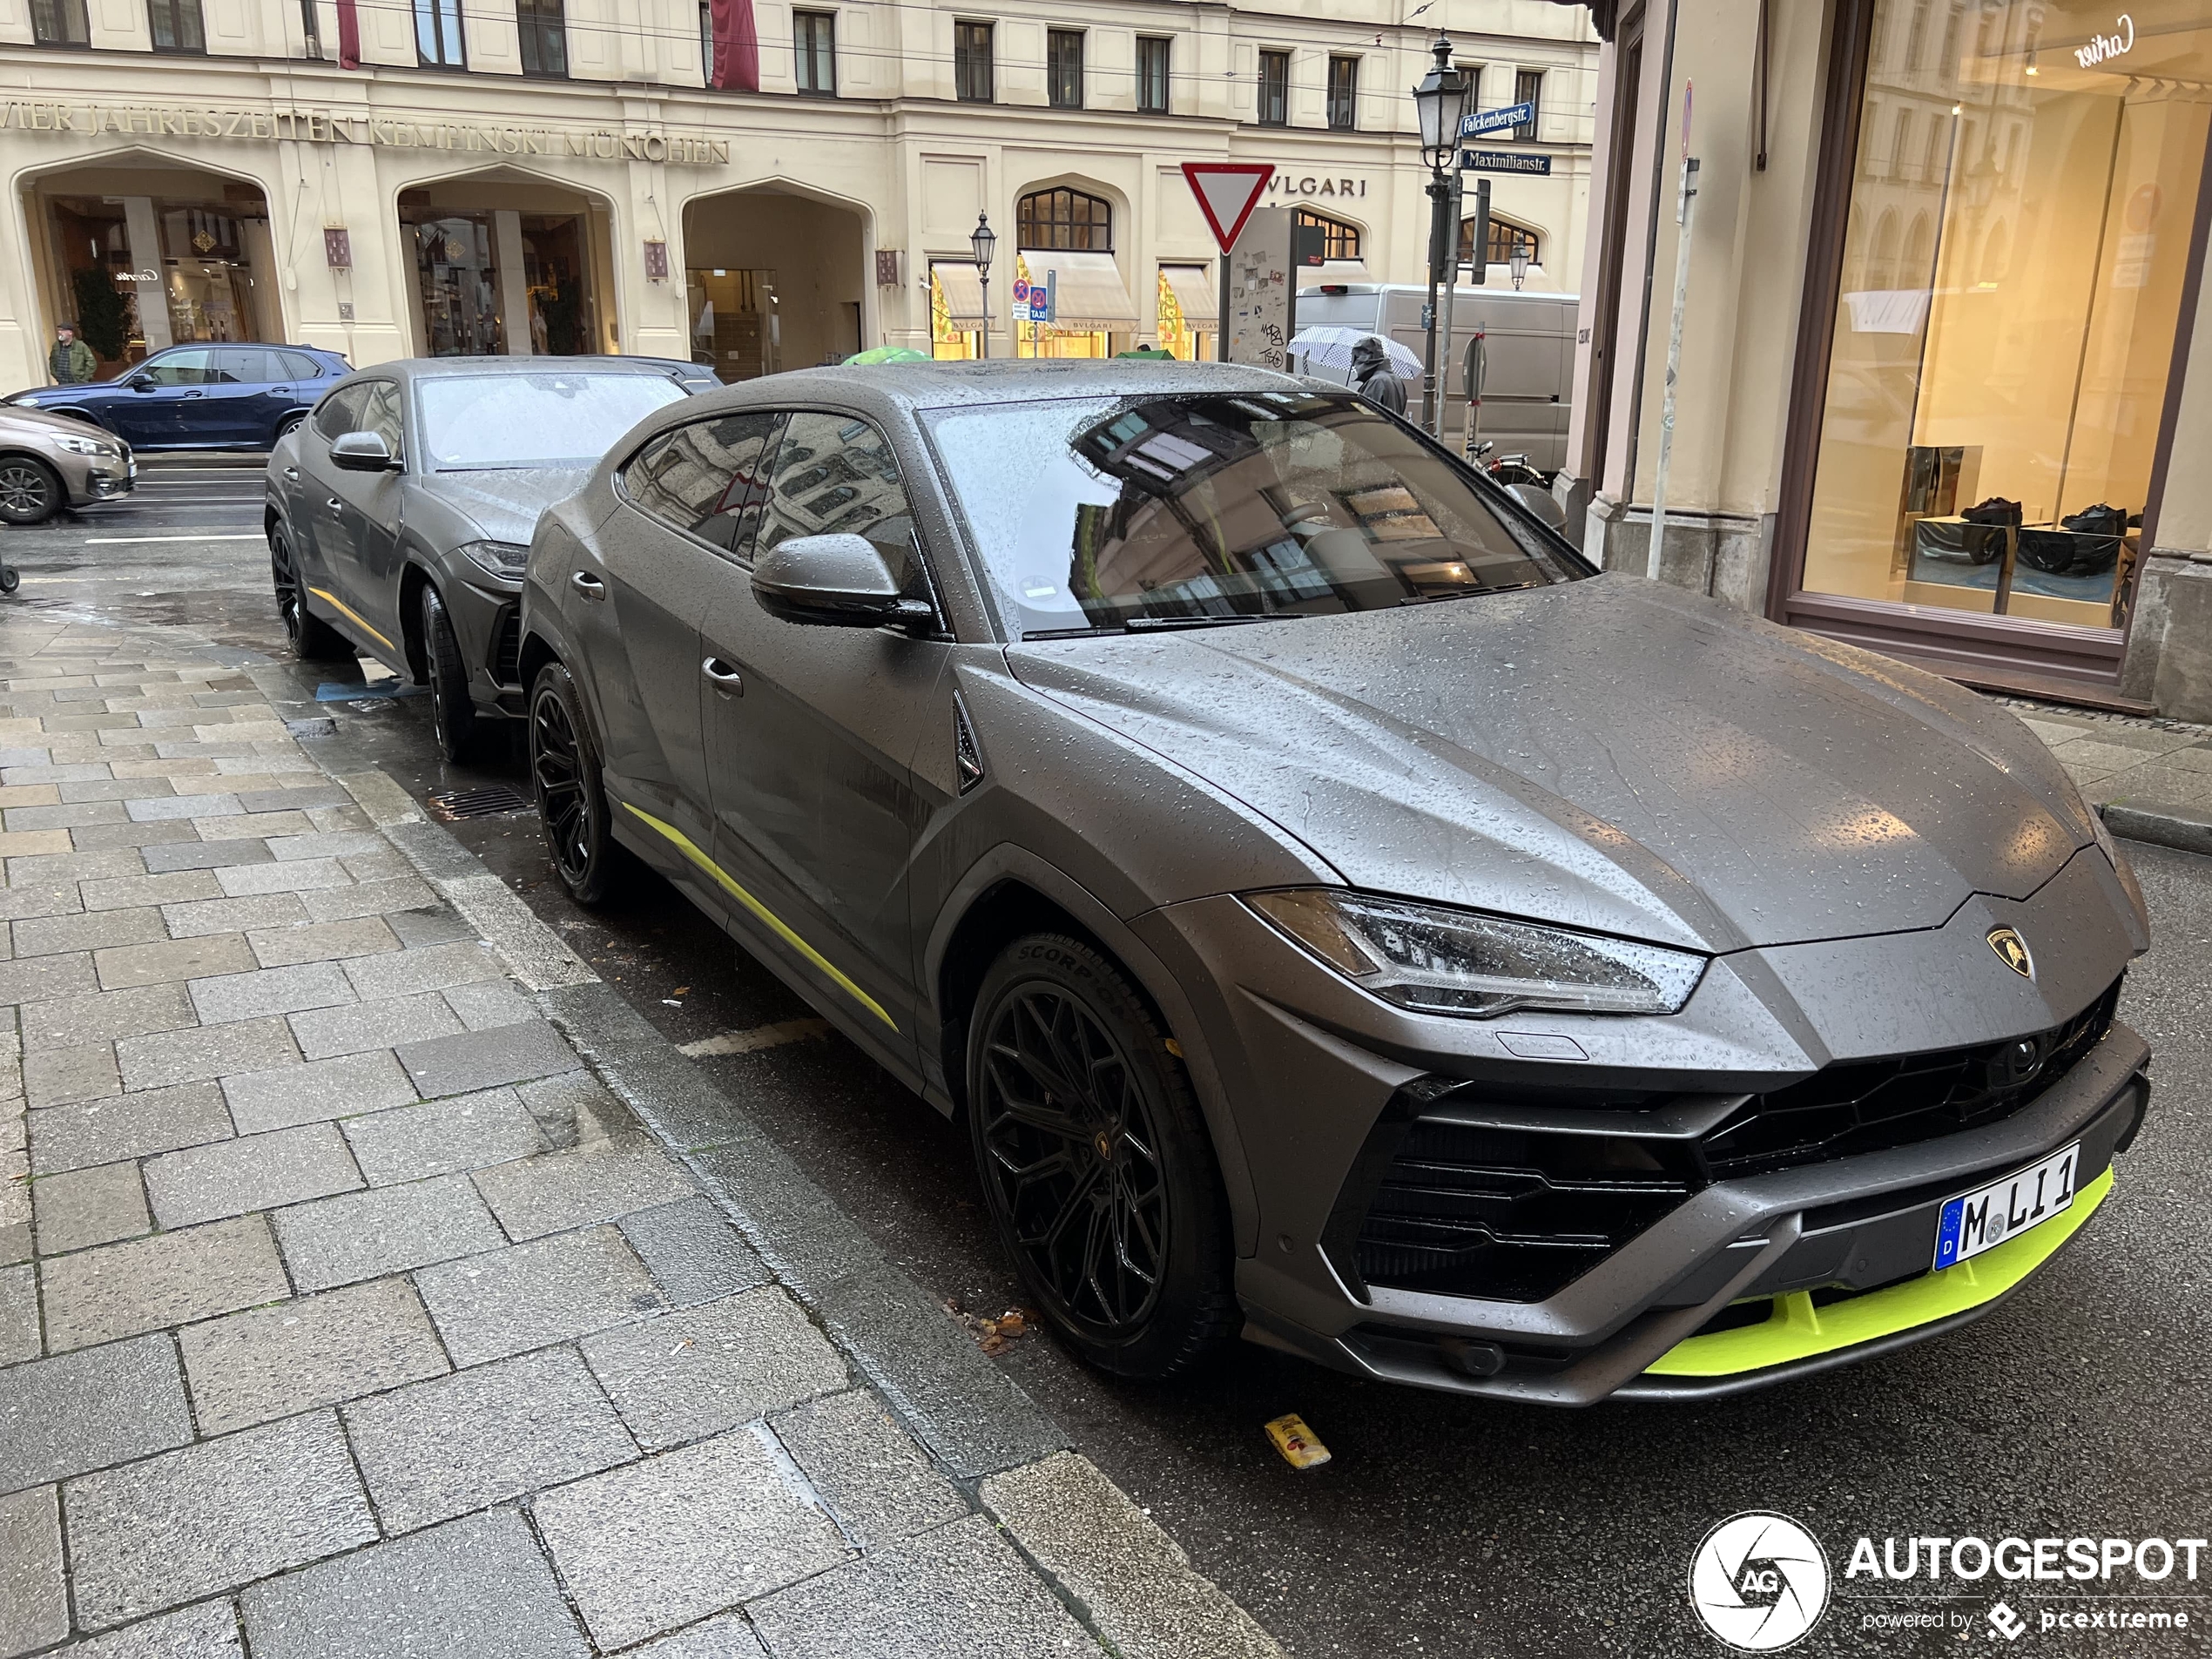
(346, 1310)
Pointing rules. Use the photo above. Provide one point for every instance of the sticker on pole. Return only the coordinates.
(1227, 192)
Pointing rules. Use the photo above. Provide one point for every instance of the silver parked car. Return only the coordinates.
(1339, 915)
(398, 513)
(51, 461)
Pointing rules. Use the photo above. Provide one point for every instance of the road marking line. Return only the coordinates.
(133, 541)
(761, 1036)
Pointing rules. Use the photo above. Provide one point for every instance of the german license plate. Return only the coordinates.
(1988, 1216)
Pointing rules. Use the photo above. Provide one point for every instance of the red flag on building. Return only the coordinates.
(736, 67)
(349, 34)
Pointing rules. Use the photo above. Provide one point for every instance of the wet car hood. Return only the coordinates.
(500, 504)
(1608, 753)
(50, 420)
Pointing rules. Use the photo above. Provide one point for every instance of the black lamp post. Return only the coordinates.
(1440, 102)
(983, 243)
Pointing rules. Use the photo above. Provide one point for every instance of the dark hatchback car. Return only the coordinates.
(399, 516)
(201, 397)
(1337, 911)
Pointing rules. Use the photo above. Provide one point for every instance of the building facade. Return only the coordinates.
(556, 176)
(1944, 380)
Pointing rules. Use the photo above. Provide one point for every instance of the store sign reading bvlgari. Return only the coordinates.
(2101, 47)
(1285, 183)
(320, 127)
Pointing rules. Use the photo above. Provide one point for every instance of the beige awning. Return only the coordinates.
(1194, 290)
(1087, 291)
(963, 293)
(1333, 270)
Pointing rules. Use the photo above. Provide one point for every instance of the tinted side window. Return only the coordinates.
(707, 478)
(334, 416)
(836, 474)
(381, 414)
(180, 368)
(298, 366)
(245, 366)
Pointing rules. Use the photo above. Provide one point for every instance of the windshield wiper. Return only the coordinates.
(1134, 623)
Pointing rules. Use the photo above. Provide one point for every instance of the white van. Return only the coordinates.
(1528, 342)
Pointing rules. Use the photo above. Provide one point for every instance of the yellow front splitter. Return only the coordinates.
(1796, 1330)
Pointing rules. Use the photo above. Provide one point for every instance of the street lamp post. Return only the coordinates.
(1440, 102)
(984, 242)
(1520, 263)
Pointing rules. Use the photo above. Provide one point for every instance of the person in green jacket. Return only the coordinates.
(71, 361)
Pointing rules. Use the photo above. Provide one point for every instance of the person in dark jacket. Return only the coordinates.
(71, 362)
(1373, 378)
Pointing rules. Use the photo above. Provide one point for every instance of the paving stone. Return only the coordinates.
(208, 1631)
(369, 899)
(120, 892)
(959, 1591)
(58, 899)
(47, 935)
(18, 1313)
(573, 1107)
(271, 1362)
(59, 1077)
(210, 1517)
(86, 1207)
(708, 1369)
(877, 1482)
(103, 1016)
(270, 990)
(436, 925)
(554, 1191)
(651, 1548)
(47, 794)
(267, 800)
(206, 1052)
(441, 1136)
(386, 1229)
(34, 1609)
(301, 875)
(253, 1172)
(287, 1096)
(693, 1252)
(20, 844)
(112, 789)
(126, 1126)
(173, 958)
(324, 942)
(63, 815)
(729, 1636)
(206, 855)
(435, 968)
(490, 1004)
(153, 810)
(43, 977)
(171, 1278)
(256, 827)
(382, 1024)
(96, 865)
(529, 1295)
(104, 837)
(85, 1411)
(482, 1436)
(478, 1586)
(385, 864)
(263, 910)
(485, 1059)
(326, 844)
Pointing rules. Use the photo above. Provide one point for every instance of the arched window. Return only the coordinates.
(1338, 239)
(1996, 254)
(1881, 270)
(1505, 236)
(1918, 270)
(1065, 218)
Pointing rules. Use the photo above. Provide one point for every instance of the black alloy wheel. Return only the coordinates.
(30, 493)
(1095, 1161)
(310, 639)
(564, 776)
(289, 425)
(453, 710)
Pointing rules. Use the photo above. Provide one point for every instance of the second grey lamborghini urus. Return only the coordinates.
(1340, 916)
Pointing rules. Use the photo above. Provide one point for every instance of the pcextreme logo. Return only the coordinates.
(1759, 1582)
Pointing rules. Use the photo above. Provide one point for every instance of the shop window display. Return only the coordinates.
(2014, 271)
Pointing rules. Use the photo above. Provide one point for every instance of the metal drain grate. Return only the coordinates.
(495, 800)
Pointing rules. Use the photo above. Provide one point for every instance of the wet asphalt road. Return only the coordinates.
(1442, 1527)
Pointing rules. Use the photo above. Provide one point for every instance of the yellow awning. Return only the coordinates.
(1087, 288)
(963, 293)
(1194, 290)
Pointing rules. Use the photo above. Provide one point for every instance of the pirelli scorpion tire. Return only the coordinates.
(1095, 1162)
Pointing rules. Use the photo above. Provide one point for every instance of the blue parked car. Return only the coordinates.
(202, 397)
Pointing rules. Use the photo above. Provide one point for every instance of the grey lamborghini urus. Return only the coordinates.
(1340, 917)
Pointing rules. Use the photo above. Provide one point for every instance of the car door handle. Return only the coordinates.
(292, 472)
(726, 679)
(335, 505)
(195, 395)
(589, 585)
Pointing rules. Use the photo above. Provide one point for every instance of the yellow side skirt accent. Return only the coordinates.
(359, 621)
(1797, 1330)
(689, 850)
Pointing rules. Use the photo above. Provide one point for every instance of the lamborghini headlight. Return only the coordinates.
(503, 559)
(1436, 961)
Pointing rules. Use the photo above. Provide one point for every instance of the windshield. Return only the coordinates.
(567, 418)
(1169, 511)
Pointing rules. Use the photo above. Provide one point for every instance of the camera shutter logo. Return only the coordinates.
(1759, 1582)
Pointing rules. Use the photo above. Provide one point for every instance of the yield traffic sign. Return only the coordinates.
(1227, 192)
